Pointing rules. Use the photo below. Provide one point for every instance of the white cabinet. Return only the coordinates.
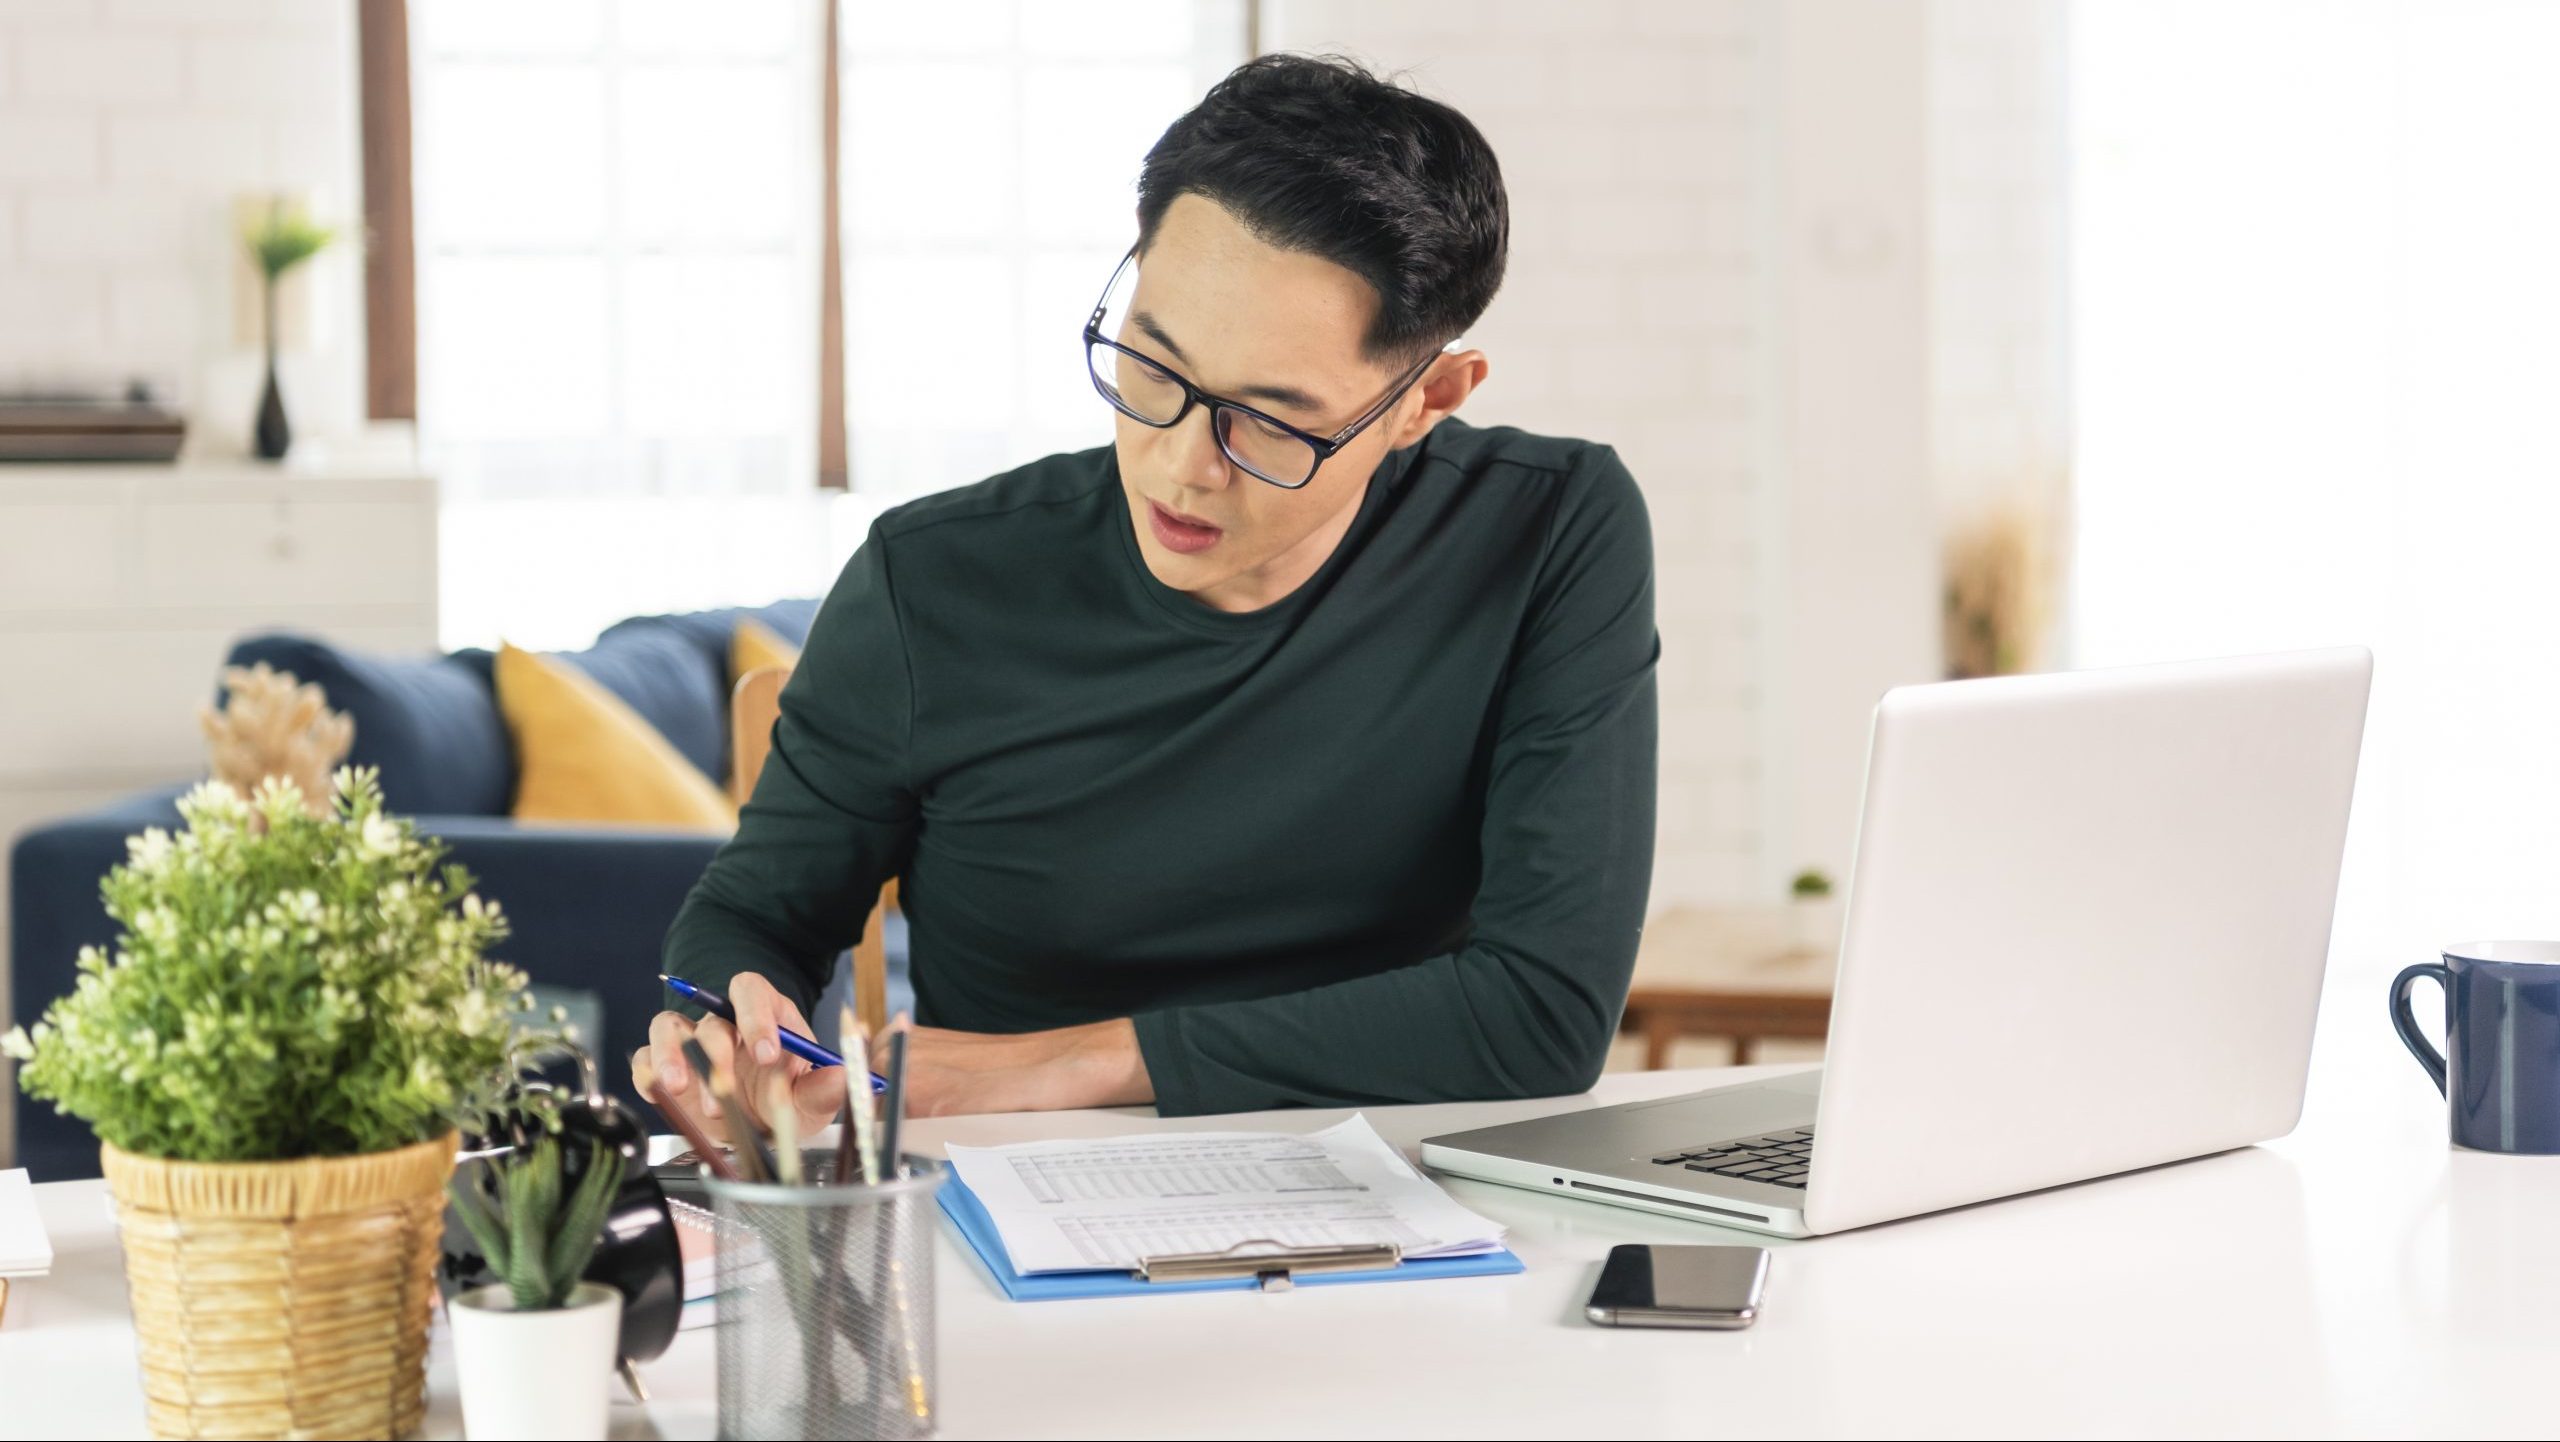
(122, 588)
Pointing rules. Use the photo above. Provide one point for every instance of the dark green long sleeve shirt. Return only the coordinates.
(1386, 840)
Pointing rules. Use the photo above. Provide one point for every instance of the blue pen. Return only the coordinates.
(792, 1041)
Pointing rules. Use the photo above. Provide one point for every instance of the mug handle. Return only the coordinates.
(2407, 1025)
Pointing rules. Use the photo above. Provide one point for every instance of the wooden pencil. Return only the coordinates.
(853, 1122)
(786, 1130)
(695, 1137)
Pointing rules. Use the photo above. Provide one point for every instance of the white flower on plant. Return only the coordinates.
(212, 799)
(301, 907)
(152, 849)
(379, 837)
(478, 1014)
(157, 924)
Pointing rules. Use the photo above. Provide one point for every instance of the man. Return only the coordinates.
(1296, 748)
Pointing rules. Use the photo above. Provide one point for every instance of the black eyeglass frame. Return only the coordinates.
(1323, 446)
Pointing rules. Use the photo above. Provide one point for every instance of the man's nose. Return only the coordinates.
(1198, 464)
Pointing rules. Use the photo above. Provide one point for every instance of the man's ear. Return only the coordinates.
(1451, 379)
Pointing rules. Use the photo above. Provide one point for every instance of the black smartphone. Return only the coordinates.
(1644, 1286)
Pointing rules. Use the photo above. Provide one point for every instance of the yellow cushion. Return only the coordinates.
(582, 753)
(754, 645)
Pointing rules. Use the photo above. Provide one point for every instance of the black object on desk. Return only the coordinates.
(638, 1255)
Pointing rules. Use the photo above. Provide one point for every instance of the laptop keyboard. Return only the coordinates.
(1779, 1159)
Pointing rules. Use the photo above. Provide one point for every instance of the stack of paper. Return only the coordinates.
(1071, 1206)
(24, 1251)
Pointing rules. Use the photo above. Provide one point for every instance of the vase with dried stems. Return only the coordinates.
(1998, 598)
(284, 237)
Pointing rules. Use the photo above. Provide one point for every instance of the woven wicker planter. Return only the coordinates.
(283, 1299)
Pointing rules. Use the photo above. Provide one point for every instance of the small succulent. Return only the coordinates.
(1810, 885)
(538, 1243)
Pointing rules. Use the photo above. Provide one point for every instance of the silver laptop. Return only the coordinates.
(2085, 933)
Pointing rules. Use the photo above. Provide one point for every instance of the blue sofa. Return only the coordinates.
(589, 907)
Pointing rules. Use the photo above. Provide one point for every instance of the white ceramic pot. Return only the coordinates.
(535, 1375)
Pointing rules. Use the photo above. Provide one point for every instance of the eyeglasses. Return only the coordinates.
(1266, 447)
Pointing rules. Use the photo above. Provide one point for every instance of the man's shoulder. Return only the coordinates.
(1472, 449)
(1578, 474)
(1028, 494)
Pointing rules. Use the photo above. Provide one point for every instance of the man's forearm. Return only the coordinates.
(1067, 1068)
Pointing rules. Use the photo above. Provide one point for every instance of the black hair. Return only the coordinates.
(1313, 153)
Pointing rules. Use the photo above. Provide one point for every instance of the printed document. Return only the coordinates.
(1079, 1206)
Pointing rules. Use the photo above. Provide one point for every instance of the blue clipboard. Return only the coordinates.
(979, 1230)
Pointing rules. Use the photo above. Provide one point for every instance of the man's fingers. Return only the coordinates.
(658, 1083)
(754, 1000)
(818, 1093)
(667, 1032)
(720, 1048)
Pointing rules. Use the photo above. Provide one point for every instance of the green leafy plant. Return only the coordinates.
(286, 985)
(284, 238)
(1810, 885)
(535, 1241)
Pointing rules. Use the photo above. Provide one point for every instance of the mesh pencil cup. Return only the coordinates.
(826, 1306)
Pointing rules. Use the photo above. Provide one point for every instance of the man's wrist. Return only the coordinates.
(1105, 1068)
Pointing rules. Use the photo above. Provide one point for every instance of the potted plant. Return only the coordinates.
(280, 240)
(535, 1350)
(277, 1055)
(1817, 917)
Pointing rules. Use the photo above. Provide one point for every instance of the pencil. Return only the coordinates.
(786, 1131)
(895, 1108)
(743, 1134)
(703, 1146)
(854, 1156)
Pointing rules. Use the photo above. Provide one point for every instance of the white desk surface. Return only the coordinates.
(2357, 1277)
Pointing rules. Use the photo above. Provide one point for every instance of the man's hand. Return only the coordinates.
(961, 1073)
(750, 1055)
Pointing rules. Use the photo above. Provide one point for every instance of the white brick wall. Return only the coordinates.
(127, 130)
(1726, 262)
(1999, 137)
(1629, 315)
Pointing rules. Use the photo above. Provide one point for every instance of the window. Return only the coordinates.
(991, 155)
(617, 246)
(618, 249)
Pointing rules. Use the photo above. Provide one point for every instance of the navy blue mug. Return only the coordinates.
(2501, 1067)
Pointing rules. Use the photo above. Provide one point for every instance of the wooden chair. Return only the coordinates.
(754, 705)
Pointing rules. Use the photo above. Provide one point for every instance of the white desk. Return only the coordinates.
(2356, 1277)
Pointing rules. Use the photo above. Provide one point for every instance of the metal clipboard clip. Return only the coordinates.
(1275, 1266)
